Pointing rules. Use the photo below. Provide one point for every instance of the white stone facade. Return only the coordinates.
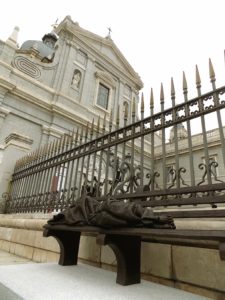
(42, 97)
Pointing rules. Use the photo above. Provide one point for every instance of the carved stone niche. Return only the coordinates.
(76, 80)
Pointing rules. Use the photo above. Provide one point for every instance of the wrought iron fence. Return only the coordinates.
(137, 159)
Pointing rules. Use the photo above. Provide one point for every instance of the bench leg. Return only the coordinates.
(127, 250)
(69, 245)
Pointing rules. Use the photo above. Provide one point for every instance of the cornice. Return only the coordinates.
(7, 85)
(63, 111)
(33, 81)
(18, 140)
(106, 77)
(4, 112)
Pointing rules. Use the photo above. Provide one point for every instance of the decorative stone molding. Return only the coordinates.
(4, 112)
(19, 140)
(105, 77)
(51, 131)
(26, 66)
(6, 85)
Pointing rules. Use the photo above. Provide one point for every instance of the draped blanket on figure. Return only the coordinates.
(111, 214)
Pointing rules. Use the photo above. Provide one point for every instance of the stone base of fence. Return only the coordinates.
(195, 270)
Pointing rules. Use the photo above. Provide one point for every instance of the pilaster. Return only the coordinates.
(3, 114)
(15, 147)
(50, 133)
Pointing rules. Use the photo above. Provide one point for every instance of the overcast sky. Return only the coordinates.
(160, 38)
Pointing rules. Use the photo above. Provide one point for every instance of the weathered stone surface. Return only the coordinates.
(89, 249)
(33, 224)
(39, 255)
(24, 251)
(52, 256)
(107, 256)
(49, 243)
(112, 268)
(156, 259)
(5, 246)
(12, 248)
(22, 236)
(204, 224)
(160, 280)
(5, 233)
(201, 267)
(200, 291)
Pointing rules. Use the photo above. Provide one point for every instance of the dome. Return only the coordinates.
(44, 50)
(181, 132)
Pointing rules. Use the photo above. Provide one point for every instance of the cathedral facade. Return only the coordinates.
(53, 86)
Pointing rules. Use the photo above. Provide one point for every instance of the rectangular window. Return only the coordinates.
(103, 96)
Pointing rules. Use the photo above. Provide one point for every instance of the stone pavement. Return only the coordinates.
(7, 258)
(21, 279)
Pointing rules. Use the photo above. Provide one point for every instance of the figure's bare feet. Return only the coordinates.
(165, 222)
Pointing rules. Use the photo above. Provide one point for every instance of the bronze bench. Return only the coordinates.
(126, 242)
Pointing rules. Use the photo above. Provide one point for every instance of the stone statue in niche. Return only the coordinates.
(76, 79)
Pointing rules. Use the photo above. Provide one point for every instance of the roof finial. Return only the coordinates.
(109, 33)
(54, 26)
(13, 37)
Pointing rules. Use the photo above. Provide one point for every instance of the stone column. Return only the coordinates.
(15, 147)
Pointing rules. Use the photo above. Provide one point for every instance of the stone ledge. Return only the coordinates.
(23, 223)
(27, 216)
(18, 137)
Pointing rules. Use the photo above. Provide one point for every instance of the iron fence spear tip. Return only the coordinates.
(211, 70)
(197, 76)
(161, 94)
(172, 87)
(151, 99)
(184, 82)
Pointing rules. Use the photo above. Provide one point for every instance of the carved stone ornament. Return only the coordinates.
(26, 66)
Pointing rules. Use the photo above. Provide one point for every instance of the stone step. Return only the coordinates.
(51, 281)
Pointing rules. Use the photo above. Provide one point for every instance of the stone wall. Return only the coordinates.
(196, 270)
